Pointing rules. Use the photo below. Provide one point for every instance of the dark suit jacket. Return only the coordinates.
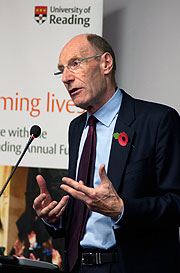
(146, 175)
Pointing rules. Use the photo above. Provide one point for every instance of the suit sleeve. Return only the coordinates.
(163, 207)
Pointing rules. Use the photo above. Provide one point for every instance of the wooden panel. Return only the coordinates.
(4, 205)
(12, 204)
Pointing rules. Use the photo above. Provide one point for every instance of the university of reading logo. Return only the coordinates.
(63, 15)
(40, 14)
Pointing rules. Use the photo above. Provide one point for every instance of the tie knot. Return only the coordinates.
(92, 120)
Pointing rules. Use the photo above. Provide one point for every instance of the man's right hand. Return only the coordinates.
(45, 208)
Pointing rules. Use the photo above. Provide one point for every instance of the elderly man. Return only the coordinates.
(122, 210)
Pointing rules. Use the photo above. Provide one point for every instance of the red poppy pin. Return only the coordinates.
(122, 138)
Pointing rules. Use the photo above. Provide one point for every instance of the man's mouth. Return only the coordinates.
(73, 91)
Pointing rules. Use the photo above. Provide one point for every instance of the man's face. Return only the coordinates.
(32, 238)
(86, 86)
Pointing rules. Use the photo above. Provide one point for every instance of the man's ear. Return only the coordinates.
(107, 62)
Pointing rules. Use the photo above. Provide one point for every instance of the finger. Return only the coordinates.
(64, 202)
(76, 189)
(76, 193)
(44, 212)
(72, 183)
(38, 201)
(81, 182)
(68, 180)
(79, 186)
(102, 173)
(59, 208)
(42, 184)
(54, 210)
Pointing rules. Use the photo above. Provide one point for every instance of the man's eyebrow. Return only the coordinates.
(77, 57)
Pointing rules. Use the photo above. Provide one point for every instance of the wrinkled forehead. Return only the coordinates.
(78, 47)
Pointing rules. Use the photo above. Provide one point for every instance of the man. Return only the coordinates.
(134, 203)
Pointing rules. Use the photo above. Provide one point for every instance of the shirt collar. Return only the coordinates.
(108, 111)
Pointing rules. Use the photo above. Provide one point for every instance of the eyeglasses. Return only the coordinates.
(74, 65)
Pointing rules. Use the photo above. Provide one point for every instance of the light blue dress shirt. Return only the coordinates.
(99, 228)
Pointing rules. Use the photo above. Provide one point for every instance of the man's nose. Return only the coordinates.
(67, 75)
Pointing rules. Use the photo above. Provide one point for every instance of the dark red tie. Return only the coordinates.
(80, 210)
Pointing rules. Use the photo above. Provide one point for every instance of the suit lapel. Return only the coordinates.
(75, 137)
(74, 140)
(119, 154)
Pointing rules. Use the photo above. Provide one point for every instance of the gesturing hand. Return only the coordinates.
(45, 208)
(103, 199)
